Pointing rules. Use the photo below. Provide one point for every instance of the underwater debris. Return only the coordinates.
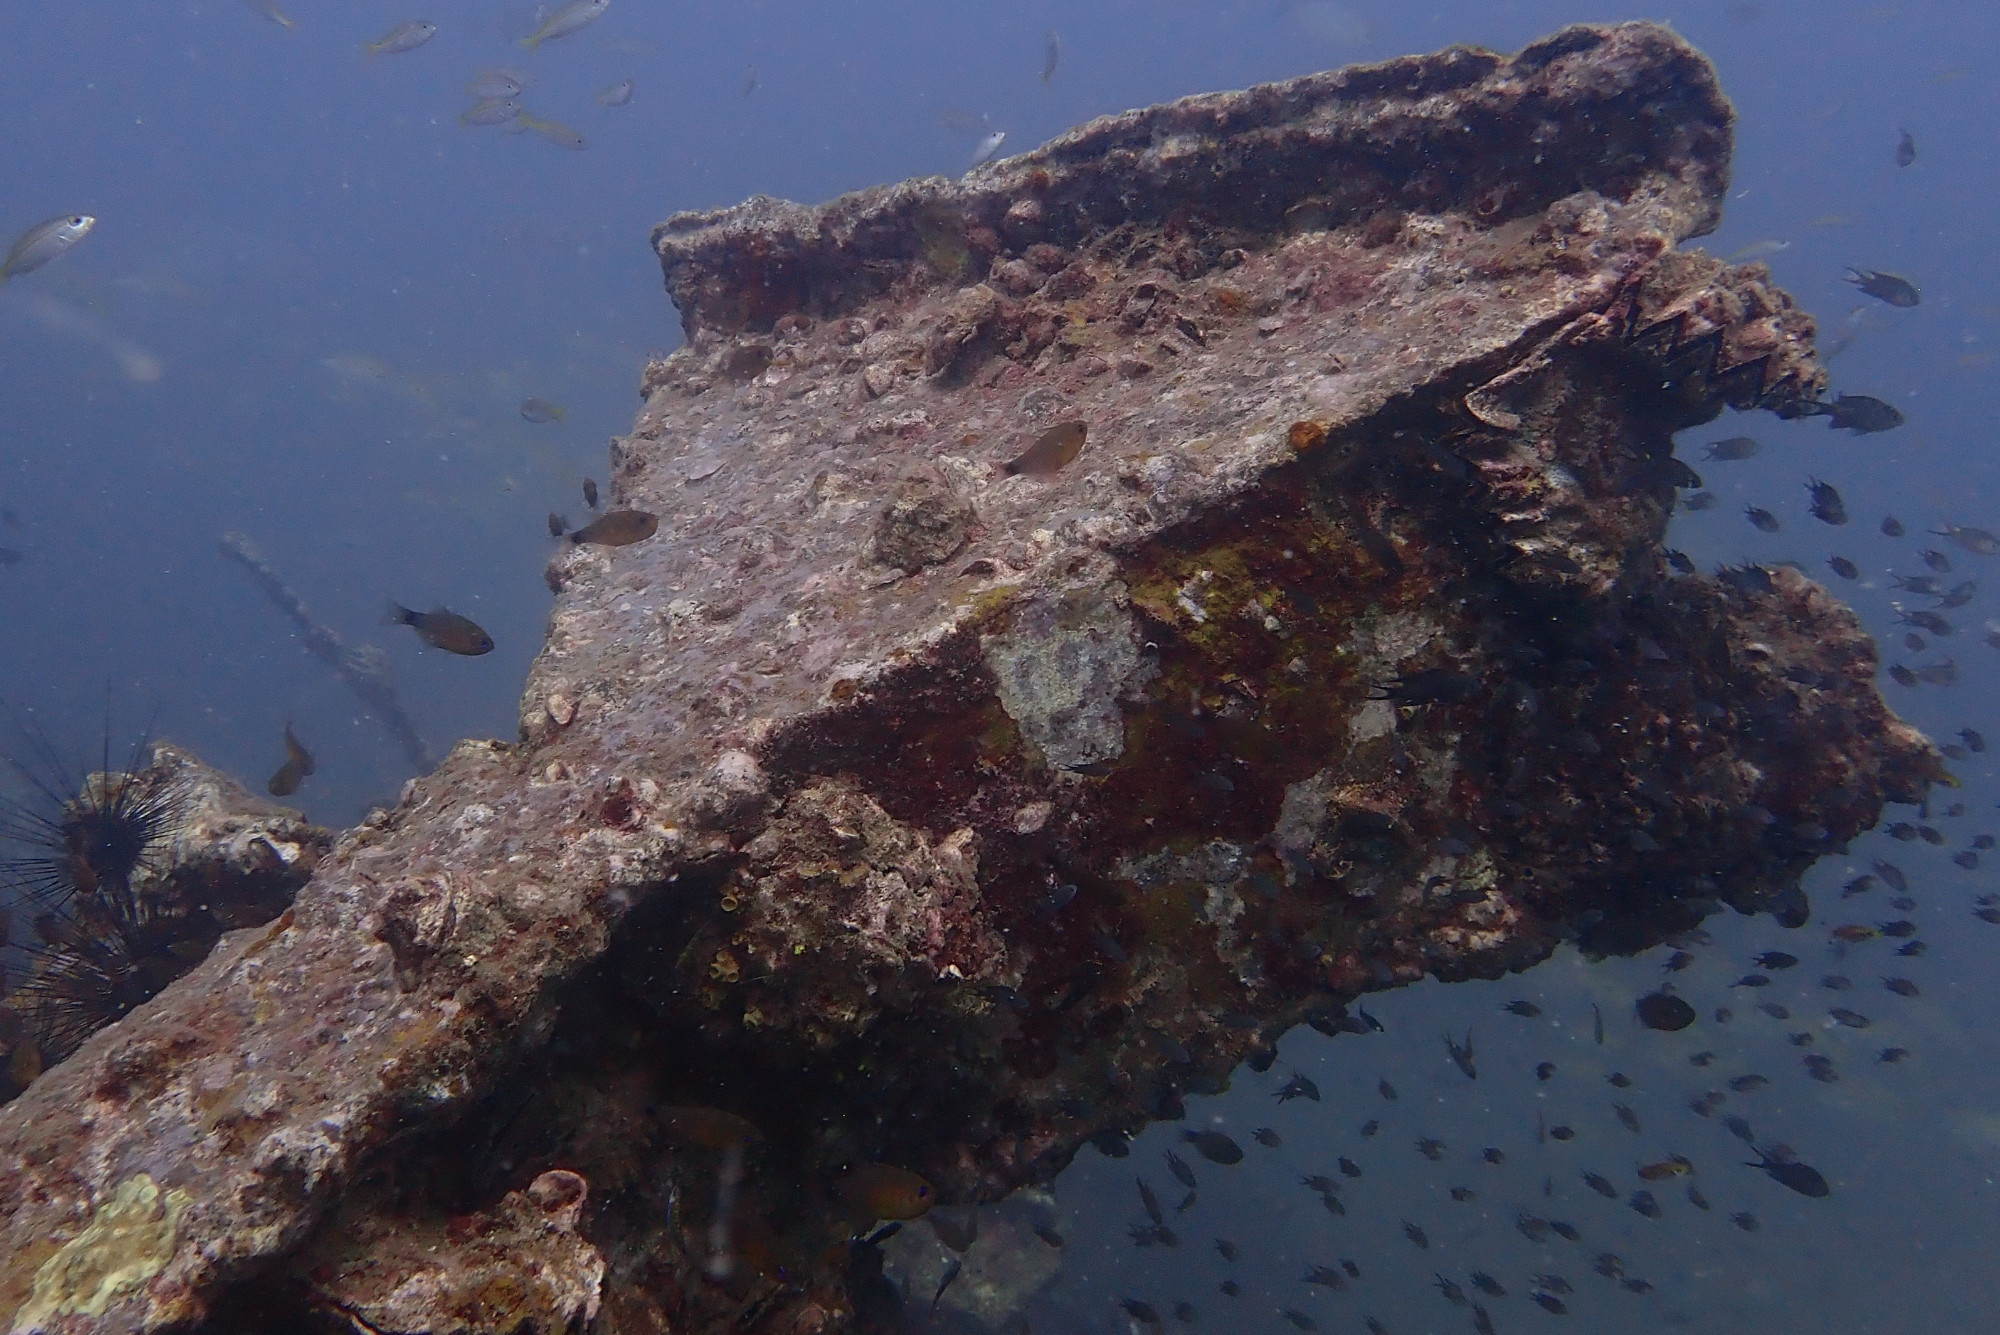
(364, 669)
(965, 867)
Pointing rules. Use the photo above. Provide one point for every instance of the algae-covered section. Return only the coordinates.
(1252, 617)
(1061, 669)
(129, 1239)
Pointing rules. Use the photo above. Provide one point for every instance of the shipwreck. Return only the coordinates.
(1106, 610)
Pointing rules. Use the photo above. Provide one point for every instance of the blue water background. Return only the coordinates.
(314, 301)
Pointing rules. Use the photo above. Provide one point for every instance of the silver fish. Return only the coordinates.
(1051, 57)
(138, 363)
(403, 37)
(572, 16)
(617, 95)
(45, 242)
(1757, 250)
(1975, 540)
(1849, 329)
(488, 85)
(1736, 447)
(553, 131)
(988, 147)
(490, 111)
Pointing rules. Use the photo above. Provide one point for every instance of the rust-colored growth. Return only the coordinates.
(1306, 436)
(620, 808)
(931, 816)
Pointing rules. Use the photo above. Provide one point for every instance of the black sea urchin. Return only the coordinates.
(88, 970)
(83, 836)
(94, 850)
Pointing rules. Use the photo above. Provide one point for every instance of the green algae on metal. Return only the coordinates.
(127, 1242)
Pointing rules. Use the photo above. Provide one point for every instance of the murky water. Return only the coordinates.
(314, 303)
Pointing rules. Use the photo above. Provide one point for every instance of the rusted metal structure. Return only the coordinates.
(896, 806)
